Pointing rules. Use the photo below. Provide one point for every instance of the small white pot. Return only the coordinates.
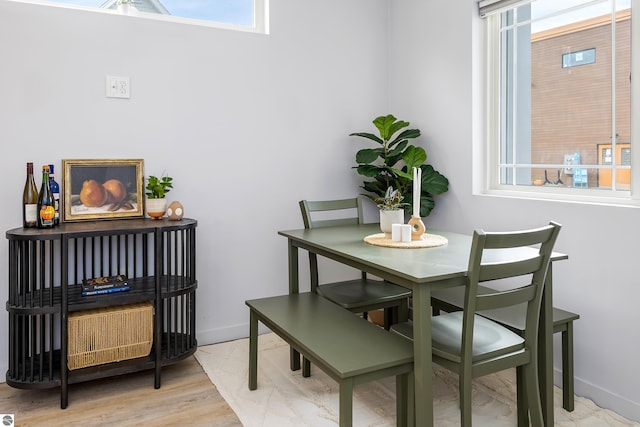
(156, 208)
(388, 218)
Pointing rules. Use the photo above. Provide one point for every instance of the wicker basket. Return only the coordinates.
(110, 334)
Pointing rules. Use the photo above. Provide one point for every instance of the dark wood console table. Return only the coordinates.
(46, 269)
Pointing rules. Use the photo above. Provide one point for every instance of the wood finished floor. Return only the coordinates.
(186, 398)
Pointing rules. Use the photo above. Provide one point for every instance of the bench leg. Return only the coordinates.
(389, 317)
(306, 367)
(253, 351)
(294, 358)
(567, 368)
(404, 400)
(346, 403)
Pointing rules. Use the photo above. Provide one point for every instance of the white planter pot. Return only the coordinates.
(156, 208)
(388, 218)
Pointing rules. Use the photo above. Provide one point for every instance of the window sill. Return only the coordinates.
(565, 195)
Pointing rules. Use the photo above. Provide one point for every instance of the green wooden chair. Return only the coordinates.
(452, 299)
(359, 295)
(474, 346)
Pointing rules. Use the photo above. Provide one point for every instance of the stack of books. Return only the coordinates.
(105, 285)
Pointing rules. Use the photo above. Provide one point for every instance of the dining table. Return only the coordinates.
(422, 270)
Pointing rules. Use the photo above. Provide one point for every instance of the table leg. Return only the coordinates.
(294, 286)
(423, 368)
(545, 350)
(346, 403)
(253, 351)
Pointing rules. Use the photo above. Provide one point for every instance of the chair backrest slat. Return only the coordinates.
(505, 298)
(517, 239)
(502, 270)
(342, 212)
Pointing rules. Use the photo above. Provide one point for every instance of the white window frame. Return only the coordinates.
(261, 16)
(491, 106)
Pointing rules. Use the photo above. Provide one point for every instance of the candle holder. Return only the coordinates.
(417, 227)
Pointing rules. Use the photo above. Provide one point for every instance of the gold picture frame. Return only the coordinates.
(96, 189)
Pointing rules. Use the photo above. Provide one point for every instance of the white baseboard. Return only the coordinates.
(229, 333)
(602, 397)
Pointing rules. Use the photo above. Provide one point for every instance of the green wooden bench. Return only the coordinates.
(349, 349)
(451, 299)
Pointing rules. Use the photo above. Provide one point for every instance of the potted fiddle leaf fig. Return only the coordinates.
(391, 163)
(157, 188)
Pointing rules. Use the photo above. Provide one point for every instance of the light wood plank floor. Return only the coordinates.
(186, 398)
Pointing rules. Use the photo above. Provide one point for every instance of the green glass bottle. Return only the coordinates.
(46, 209)
(29, 200)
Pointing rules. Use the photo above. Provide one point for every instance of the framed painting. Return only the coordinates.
(102, 189)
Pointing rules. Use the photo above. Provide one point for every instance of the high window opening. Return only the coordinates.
(246, 15)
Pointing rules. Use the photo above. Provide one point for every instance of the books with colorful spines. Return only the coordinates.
(106, 290)
(101, 283)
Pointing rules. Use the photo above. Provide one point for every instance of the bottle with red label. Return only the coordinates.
(46, 203)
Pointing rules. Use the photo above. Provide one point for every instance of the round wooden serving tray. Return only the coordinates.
(428, 241)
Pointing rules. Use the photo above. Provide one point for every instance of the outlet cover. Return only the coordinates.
(118, 87)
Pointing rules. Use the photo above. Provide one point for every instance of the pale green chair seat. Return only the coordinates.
(488, 341)
(473, 346)
(361, 295)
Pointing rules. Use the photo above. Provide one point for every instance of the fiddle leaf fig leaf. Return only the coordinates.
(407, 134)
(368, 170)
(398, 150)
(403, 174)
(433, 182)
(368, 136)
(414, 157)
(368, 155)
(383, 124)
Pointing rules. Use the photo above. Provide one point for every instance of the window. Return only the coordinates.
(559, 94)
(248, 15)
(573, 59)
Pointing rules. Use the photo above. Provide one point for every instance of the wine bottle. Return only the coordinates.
(55, 189)
(46, 210)
(29, 200)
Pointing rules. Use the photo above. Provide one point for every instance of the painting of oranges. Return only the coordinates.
(98, 189)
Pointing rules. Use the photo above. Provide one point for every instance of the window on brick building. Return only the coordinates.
(558, 88)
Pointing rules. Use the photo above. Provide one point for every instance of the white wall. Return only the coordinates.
(435, 84)
(246, 124)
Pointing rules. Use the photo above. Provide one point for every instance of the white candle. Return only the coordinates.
(419, 188)
(406, 232)
(396, 232)
(417, 181)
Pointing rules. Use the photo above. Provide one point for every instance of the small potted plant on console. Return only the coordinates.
(156, 203)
